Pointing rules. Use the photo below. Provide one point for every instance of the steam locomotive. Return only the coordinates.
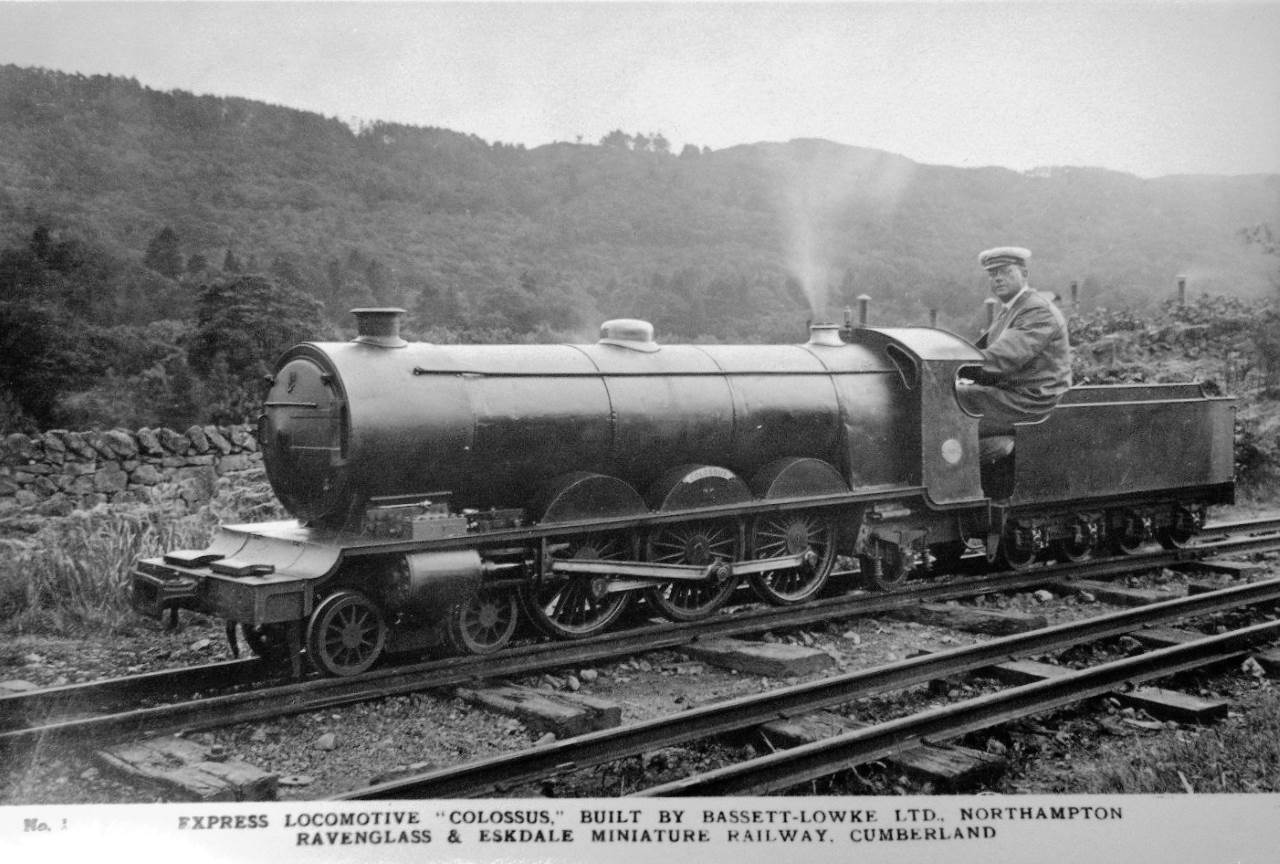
(446, 494)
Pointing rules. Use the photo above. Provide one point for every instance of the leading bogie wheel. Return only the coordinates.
(484, 622)
(701, 544)
(777, 535)
(346, 634)
(268, 641)
(578, 606)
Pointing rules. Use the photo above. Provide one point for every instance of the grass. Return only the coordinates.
(1242, 754)
(72, 576)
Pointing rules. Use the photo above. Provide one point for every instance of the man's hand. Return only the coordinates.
(978, 375)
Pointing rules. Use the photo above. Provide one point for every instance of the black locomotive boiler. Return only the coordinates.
(446, 493)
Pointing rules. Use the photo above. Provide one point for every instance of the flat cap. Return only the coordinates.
(1002, 255)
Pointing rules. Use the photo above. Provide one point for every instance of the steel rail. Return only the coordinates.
(786, 768)
(329, 692)
(319, 693)
(501, 773)
(32, 705)
(1264, 522)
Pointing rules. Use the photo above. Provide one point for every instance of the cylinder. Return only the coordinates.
(432, 581)
(863, 302)
(1075, 293)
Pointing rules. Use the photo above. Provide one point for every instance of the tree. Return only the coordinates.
(286, 269)
(1262, 237)
(230, 263)
(380, 281)
(436, 307)
(617, 139)
(1265, 325)
(242, 325)
(164, 254)
(660, 143)
(39, 360)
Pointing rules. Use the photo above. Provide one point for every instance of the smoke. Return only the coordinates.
(803, 258)
(827, 194)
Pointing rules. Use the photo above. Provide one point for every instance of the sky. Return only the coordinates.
(1146, 88)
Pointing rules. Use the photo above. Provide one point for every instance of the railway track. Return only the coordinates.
(504, 773)
(111, 709)
(786, 768)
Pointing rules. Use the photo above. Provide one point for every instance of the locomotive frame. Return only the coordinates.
(558, 484)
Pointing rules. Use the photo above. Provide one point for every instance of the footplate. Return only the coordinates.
(253, 575)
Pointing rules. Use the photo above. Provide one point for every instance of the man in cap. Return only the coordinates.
(1026, 358)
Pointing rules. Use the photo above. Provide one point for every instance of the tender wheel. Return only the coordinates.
(346, 634)
(268, 641)
(947, 556)
(1180, 532)
(1017, 549)
(780, 534)
(887, 570)
(484, 623)
(1015, 558)
(1076, 548)
(697, 543)
(575, 607)
(1131, 535)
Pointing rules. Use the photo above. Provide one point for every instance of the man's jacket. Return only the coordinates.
(1027, 351)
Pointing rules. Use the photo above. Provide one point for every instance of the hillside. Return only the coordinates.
(157, 249)
(443, 221)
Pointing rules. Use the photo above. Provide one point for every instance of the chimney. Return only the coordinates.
(379, 327)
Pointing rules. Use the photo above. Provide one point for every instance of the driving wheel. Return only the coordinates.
(783, 534)
(577, 606)
(698, 543)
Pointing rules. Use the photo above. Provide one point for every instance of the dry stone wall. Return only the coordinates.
(57, 472)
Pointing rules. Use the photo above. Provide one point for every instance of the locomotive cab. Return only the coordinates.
(928, 362)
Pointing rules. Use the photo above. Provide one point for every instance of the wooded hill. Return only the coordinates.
(121, 205)
(703, 242)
